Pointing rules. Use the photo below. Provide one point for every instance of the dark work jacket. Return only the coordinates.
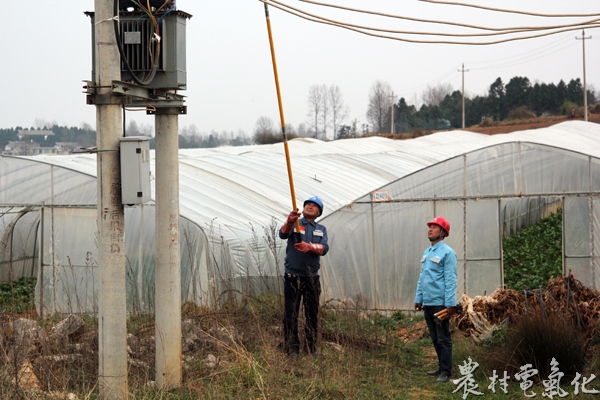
(304, 264)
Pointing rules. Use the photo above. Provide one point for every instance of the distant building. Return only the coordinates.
(66, 147)
(25, 133)
(26, 146)
(22, 148)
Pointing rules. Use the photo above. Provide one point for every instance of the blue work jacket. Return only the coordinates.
(304, 264)
(437, 281)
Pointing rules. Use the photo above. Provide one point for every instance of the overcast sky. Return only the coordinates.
(46, 54)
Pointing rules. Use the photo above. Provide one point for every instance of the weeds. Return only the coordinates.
(235, 353)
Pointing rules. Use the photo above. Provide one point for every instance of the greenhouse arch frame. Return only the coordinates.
(481, 212)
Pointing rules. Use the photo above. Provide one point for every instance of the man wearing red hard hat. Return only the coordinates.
(436, 293)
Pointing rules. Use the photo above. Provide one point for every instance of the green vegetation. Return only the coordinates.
(534, 255)
(17, 297)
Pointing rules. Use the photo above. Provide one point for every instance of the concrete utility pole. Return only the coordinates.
(167, 261)
(112, 321)
(585, 106)
(463, 93)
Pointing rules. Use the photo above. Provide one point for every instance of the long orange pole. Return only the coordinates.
(285, 143)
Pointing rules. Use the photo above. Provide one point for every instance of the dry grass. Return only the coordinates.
(235, 353)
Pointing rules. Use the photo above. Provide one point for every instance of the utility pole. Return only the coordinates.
(167, 258)
(463, 93)
(112, 321)
(585, 106)
(393, 99)
(109, 92)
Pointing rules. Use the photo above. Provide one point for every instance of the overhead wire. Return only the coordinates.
(502, 9)
(314, 18)
(431, 21)
(525, 59)
(447, 77)
(538, 50)
(497, 31)
(292, 10)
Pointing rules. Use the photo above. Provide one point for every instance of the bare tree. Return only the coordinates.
(339, 111)
(316, 100)
(326, 110)
(264, 133)
(41, 123)
(434, 95)
(264, 125)
(132, 128)
(379, 105)
(302, 131)
(146, 129)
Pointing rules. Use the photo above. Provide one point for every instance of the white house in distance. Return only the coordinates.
(26, 146)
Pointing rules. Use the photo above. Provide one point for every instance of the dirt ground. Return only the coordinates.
(512, 126)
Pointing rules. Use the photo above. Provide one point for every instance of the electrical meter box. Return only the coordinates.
(135, 169)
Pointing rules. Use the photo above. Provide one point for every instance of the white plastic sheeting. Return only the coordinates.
(233, 199)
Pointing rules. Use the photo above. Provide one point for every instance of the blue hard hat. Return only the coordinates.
(317, 201)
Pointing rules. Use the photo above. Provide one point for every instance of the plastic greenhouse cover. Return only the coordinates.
(229, 191)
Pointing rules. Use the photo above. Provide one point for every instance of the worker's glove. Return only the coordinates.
(418, 306)
(291, 219)
(450, 311)
(304, 247)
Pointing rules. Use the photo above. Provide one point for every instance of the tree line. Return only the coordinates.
(85, 136)
(518, 97)
(441, 108)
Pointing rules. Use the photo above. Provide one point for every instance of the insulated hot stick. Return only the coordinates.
(441, 315)
(285, 143)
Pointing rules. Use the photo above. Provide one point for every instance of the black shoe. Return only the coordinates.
(433, 373)
(443, 378)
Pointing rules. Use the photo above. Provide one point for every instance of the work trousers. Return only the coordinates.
(441, 338)
(305, 289)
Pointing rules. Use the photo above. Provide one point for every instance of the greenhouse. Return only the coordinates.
(378, 195)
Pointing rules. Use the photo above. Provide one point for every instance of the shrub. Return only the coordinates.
(520, 113)
(594, 108)
(271, 138)
(486, 122)
(571, 110)
(538, 338)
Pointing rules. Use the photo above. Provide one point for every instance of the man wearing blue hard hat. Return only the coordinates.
(306, 244)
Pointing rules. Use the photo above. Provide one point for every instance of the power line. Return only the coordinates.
(525, 60)
(541, 49)
(414, 19)
(506, 10)
(311, 17)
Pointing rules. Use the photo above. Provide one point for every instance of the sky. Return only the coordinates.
(47, 55)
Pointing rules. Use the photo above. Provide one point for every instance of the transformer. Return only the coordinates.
(124, 5)
(153, 50)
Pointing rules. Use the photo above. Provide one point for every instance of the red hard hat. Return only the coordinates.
(441, 221)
